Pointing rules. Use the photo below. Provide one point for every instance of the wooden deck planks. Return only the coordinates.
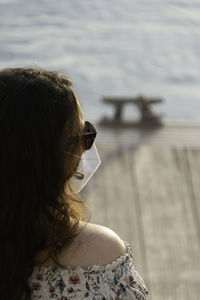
(167, 213)
(193, 157)
(149, 196)
(133, 208)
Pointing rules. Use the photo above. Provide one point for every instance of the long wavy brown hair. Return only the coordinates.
(39, 113)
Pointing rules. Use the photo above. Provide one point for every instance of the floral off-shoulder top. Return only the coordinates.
(118, 281)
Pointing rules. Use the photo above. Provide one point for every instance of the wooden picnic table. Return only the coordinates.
(144, 106)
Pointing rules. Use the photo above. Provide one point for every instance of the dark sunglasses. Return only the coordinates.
(88, 136)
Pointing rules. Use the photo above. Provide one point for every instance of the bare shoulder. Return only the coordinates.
(104, 239)
(96, 244)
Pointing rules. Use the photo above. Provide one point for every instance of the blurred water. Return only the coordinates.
(111, 48)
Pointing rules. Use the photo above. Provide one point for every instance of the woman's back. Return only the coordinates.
(98, 265)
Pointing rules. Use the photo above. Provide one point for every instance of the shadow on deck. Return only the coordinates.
(147, 190)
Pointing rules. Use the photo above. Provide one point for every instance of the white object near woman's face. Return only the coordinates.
(88, 164)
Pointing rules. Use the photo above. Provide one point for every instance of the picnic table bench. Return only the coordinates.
(143, 104)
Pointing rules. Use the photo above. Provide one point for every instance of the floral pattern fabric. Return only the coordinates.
(118, 280)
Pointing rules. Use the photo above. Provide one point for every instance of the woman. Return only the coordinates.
(48, 250)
